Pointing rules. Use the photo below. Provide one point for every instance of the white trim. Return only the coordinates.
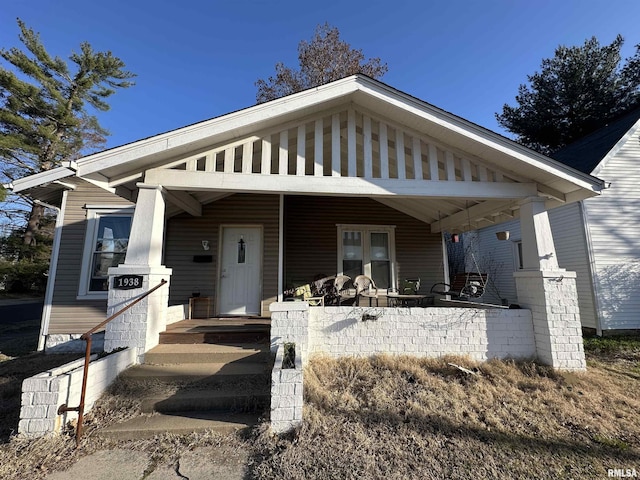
(339, 186)
(115, 208)
(51, 279)
(477, 133)
(366, 231)
(256, 116)
(593, 271)
(281, 250)
(445, 260)
(231, 123)
(93, 214)
(40, 179)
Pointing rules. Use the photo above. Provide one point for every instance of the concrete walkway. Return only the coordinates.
(202, 463)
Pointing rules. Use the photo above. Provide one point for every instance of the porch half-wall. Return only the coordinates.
(311, 238)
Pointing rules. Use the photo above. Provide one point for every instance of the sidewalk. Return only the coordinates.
(224, 463)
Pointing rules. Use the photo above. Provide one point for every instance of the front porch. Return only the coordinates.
(352, 179)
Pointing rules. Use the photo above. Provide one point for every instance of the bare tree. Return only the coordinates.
(322, 60)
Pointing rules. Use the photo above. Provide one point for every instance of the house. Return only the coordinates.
(595, 237)
(346, 178)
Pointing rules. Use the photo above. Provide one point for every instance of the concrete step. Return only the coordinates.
(218, 330)
(208, 353)
(214, 337)
(199, 372)
(180, 423)
(255, 399)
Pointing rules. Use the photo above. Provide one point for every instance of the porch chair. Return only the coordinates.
(464, 285)
(365, 287)
(342, 290)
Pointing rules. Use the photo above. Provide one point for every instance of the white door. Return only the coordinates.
(240, 267)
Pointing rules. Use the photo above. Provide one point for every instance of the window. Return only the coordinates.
(106, 241)
(368, 250)
(517, 254)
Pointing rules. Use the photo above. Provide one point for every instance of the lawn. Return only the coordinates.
(402, 417)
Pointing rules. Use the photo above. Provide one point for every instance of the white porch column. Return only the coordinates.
(549, 292)
(139, 327)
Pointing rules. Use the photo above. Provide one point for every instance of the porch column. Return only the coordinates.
(549, 292)
(139, 327)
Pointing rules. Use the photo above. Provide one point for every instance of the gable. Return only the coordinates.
(353, 137)
(587, 153)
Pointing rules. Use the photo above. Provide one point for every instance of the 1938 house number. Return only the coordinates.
(127, 282)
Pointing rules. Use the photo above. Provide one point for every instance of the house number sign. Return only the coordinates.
(127, 282)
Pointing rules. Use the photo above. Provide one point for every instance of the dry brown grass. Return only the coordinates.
(402, 417)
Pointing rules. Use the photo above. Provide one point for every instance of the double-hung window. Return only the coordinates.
(367, 250)
(106, 241)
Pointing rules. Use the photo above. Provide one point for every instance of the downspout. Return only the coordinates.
(592, 267)
(53, 266)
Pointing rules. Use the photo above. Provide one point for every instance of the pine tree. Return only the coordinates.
(576, 92)
(322, 60)
(44, 110)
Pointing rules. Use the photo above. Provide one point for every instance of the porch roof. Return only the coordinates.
(353, 137)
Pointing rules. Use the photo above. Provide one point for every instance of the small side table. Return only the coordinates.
(194, 308)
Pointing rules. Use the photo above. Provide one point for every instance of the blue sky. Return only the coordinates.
(200, 59)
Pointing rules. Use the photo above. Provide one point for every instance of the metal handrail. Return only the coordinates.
(87, 358)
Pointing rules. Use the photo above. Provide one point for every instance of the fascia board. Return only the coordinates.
(268, 113)
(478, 134)
(41, 178)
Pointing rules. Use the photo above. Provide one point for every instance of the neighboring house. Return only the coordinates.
(595, 237)
(353, 177)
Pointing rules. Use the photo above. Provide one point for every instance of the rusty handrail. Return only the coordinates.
(87, 358)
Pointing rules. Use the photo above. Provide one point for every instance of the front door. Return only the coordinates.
(239, 290)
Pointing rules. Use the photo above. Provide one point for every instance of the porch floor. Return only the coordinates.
(217, 330)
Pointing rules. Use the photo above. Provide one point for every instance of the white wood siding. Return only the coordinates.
(184, 235)
(569, 238)
(571, 247)
(69, 315)
(497, 260)
(614, 224)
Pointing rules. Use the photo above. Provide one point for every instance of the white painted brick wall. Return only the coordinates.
(71, 343)
(290, 323)
(42, 394)
(175, 313)
(480, 334)
(286, 393)
(553, 300)
(140, 326)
